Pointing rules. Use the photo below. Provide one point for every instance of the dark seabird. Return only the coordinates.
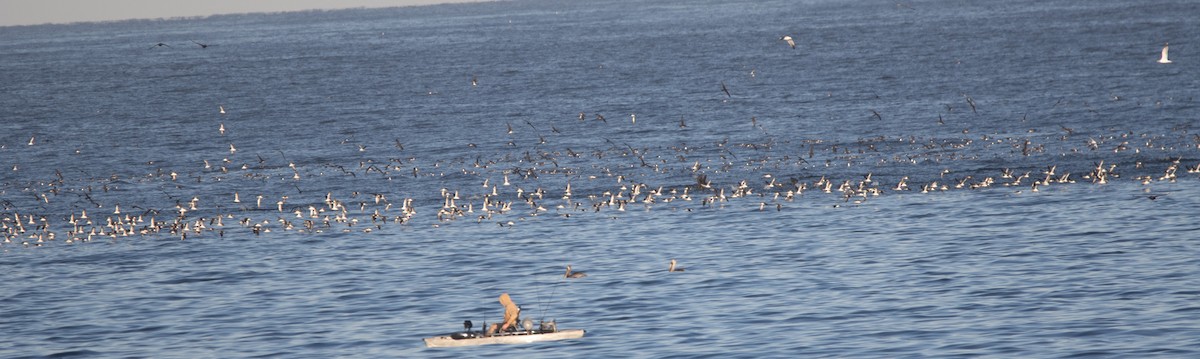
(571, 274)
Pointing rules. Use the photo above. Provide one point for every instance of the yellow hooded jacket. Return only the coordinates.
(511, 312)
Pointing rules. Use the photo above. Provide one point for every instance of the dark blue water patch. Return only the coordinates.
(1092, 353)
(82, 353)
(275, 354)
(194, 278)
(973, 349)
(147, 329)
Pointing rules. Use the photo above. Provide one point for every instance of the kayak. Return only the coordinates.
(463, 339)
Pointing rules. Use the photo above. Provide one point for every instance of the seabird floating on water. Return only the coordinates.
(571, 274)
(673, 268)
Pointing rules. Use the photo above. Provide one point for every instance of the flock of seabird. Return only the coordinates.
(780, 179)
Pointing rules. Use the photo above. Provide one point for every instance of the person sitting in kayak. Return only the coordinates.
(512, 313)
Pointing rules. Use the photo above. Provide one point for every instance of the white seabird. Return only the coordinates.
(1164, 59)
(789, 40)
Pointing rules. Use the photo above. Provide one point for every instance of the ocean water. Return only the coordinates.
(925, 178)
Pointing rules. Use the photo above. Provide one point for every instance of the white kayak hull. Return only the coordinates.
(442, 341)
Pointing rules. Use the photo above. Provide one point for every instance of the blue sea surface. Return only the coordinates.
(914, 179)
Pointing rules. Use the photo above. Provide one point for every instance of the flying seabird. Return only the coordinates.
(159, 45)
(725, 89)
(1164, 59)
(789, 40)
(202, 46)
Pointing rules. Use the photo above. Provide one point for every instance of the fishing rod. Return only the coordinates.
(544, 305)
